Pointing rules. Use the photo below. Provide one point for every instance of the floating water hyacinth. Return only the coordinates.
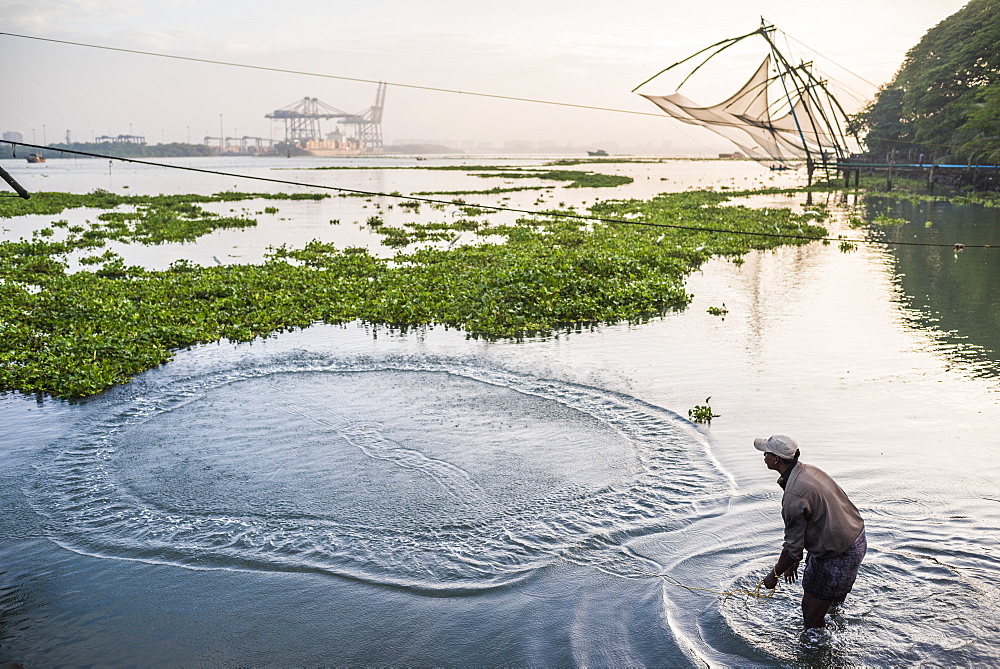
(76, 334)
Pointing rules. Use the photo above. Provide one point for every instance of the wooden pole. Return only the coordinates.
(888, 172)
(13, 184)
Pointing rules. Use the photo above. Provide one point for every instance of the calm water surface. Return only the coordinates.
(351, 495)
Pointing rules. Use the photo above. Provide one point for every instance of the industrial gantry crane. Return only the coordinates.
(302, 121)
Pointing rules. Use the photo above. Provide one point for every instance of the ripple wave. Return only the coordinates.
(428, 474)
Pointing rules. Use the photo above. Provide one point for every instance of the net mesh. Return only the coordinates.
(774, 117)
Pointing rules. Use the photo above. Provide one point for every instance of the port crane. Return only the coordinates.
(302, 120)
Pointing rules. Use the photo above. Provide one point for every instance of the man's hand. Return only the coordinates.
(792, 573)
(785, 566)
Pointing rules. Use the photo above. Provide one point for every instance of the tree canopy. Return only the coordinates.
(944, 102)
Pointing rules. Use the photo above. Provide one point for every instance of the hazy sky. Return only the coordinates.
(581, 51)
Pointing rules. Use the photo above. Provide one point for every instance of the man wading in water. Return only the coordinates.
(820, 518)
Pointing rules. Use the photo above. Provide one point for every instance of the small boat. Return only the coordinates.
(599, 152)
(35, 158)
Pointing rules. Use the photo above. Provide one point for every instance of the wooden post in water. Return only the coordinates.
(857, 177)
(930, 180)
(888, 172)
(13, 184)
(809, 172)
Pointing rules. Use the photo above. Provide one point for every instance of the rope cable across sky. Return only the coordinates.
(495, 96)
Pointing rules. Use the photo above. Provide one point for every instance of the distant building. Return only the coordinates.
(13, 136)
(736, 155)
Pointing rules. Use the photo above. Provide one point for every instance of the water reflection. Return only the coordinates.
(953, 293)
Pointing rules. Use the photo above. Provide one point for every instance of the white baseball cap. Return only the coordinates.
(781, 445)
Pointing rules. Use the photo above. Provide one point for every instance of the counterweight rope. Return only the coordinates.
(755, 593)
(332, 76)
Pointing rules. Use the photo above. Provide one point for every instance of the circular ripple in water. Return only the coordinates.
(926, 592)
(420, 473)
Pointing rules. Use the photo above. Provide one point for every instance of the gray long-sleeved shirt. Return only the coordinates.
(817, 513)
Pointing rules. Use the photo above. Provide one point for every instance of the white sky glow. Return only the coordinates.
(581, 52)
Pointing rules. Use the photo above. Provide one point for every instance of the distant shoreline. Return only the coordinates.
(113, 149)
(182, 150)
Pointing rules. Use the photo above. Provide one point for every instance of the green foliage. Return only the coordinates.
(56, 203)
(702, 413)
(981, 131)
(854, 221)
(73, 334)
(490, 191)
(718, 311)
(915, 190)
(882, 219)
(146, 219)
(883, 124)
(411, 233)
(577, 178)
(944, 102)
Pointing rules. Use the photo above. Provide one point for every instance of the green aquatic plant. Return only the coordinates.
(718, 311)
(577, 178)
(181, 222)
(55, 203)
(882, 219)
(77, 333)
(702, 413)
(397, 237)
(609, 160)
(490, 191)
(411, 233)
